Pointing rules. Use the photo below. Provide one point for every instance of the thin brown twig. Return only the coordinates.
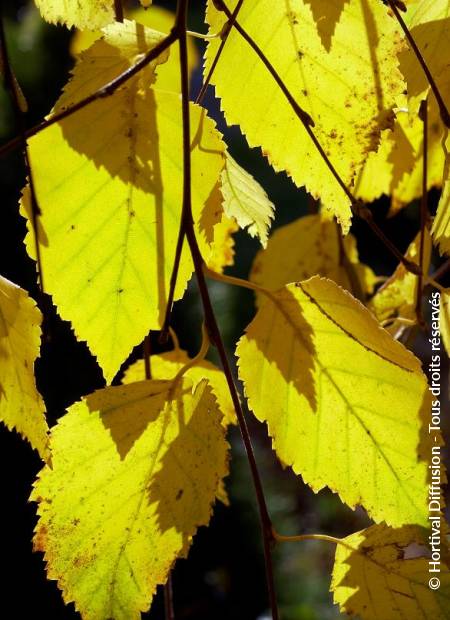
(356, 205)
(224, 37)
(445, 116)
(12, 86)
(210, 319)
(441, 271)
(423, 114)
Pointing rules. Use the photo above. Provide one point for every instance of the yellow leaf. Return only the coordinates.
(429, 24)
(111, 198)
(444, 316)
(396, 298)
(349, 92)
(89, 14)
(245, 200)
(21, 405)
(307, 247)
(343, 401)
(166, 366)
(134, 473)
(441, 224)
(156, 18)
(396, 169)
(222, 249)
(384, 573)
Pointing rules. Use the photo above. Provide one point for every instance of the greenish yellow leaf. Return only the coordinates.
(444, 316)
(21, 405)
(345, 404)
(245, 200)
(166, 366)
(441, 224)
(429, 24)
(396, 169)
(349, 91)
(396, 298)
(307, 247)
(111, 198)
(135, 470)
(157, 18)
(89, 14)
(383, 573)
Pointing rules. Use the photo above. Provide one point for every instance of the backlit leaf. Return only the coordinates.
(89, 14)
(396, 298)
(157, 18)
(444, 316)
(245, 200)
(111, 199)
(166, 366)
(135, 470)
(349, 91)
(307, 247)
(441, 224)
(21, 405)
(384, 573)
(343, 401)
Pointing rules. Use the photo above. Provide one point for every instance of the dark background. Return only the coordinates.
(223, 577)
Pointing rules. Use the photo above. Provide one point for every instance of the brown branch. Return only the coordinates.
(224, 37)
(118, 10)
(445, 116)
(423, 115)
(441, 271)
(19, 114)
(210, 319)
(106, 91)
(356, 205)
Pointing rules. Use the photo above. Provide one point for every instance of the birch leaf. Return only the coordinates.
(349, 91)
(375, 577)
(441, 224)
(166, 366)
(107, 255)
(444, 316)
(21, 405)
(89, 14)
(135, 470)
(307, 247)
(343, 401)
(245, 200)
(396, 298)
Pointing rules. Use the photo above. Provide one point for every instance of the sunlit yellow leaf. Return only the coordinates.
(396, 169)
(396, 298)
(134, 473)
(166, 366)
(429, 24)
(349, 92)
(245, 200)
(307, 247)
(344, 403)
(441, 224)
(444, 316)
(21, 405)
(384, 573)
(111, 198)
(157, 18)
(89, 14)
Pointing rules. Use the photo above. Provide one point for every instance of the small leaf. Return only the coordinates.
(307, 247)
(135, 470)
(245, 200)
(345, 404)
(384, 573)
(89, 14)
(396, 298)
(21, 405)
(441, 224)
(444, 316)
(166, 366)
